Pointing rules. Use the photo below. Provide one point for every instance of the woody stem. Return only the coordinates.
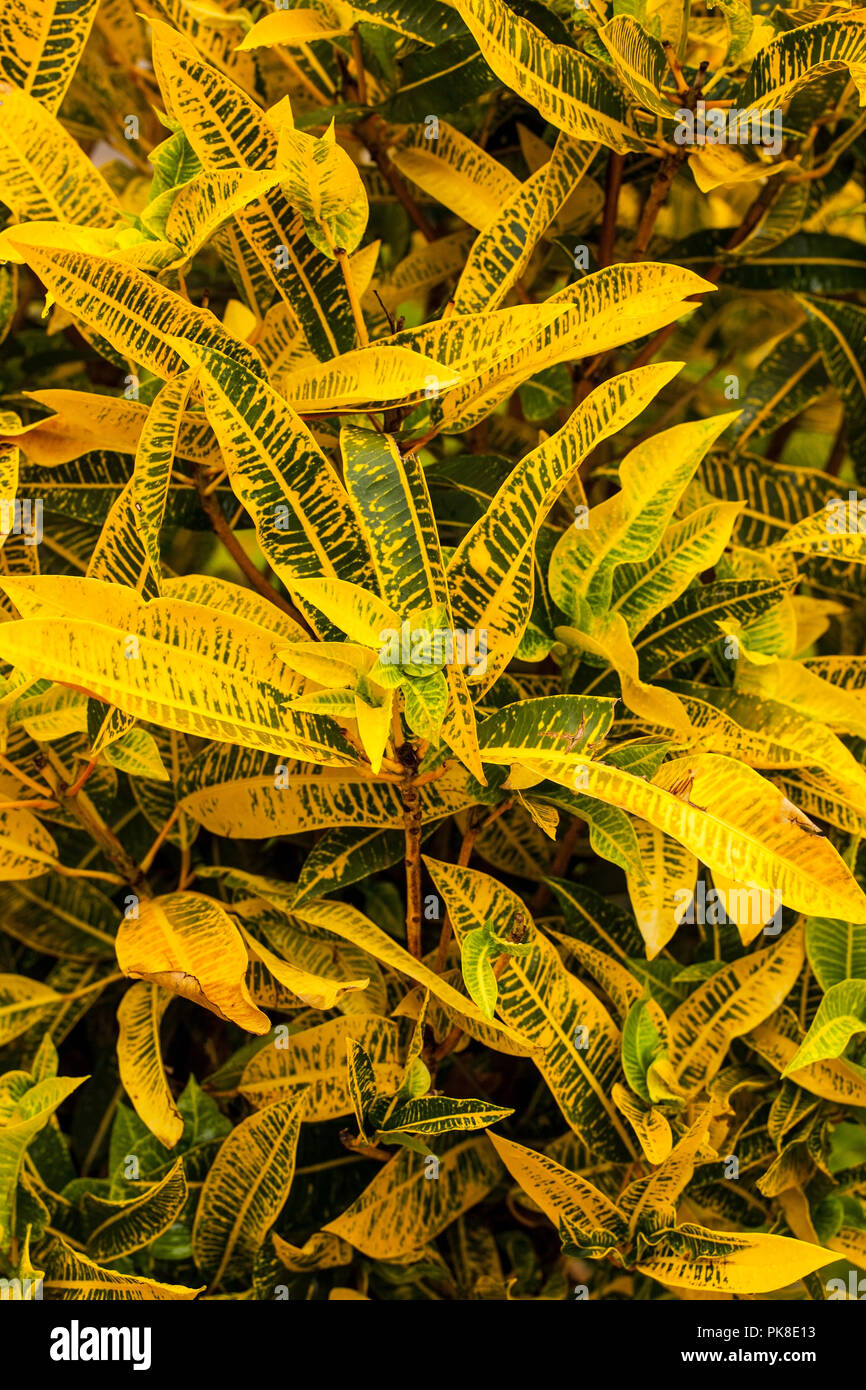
(354, 301)
(89, 818)
(407, 756)
(411, 799)
(473, 830)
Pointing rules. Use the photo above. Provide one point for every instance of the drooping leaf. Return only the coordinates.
(400, 1210)
(127, 1226)
(246, 1188)
(70, 1276)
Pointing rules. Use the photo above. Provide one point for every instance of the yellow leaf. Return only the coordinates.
(375, 727)
(731, 818)
(715, 166)
(10, 459)
(188, 944)
(730, 1003)
(722, 1262)
(44, 173)
(140, 1061)
(246, 1188)
(123, 304)
(648, 1123)
(26, 848)
(24, 1116)
(651, 1203)
(40, 44)
(458, 173)
(401, 1209)
(832, 1079)
(498, 259)
(71, 1276)
(210, 198)
(491, 573)
(239, 799)
(353, 926)
(662, 892)
(175, 663)
(129, 1226)
(320, 180)
(314, 990)
(576, 1042)
(83, 421)
(609, 639)
(569, 89)
(280, 475)
(361, 615)
(365, 380)
(300, 26)
(315, 1058)
(321, 1251)
(565, 1198)
(826, 688)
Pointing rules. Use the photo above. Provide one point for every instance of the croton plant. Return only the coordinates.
(432, 675)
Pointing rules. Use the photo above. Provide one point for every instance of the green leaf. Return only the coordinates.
(123, 1227)
(246, 1189)
(570, 90)
(442, 1115)
(641, 1044)
(841, 1016)
(21, 1125)
(836, 951)
(475, 957)
(838, 330)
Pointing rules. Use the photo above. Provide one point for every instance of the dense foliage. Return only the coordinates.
(433, 699)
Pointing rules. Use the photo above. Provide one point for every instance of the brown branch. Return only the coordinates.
(433, 776)
(86, 772)
(412, 823)
(682, 85)
(613, 183)
(761, 205)
(407, 755)
(477, 825)
(780, 437)
(369, 132)
(155, 847)
(670, 165)
(354, 301)
(360, 74)
(44, 805)
(559, 863)
(837, 453)
(448, 1044)
(412, 446)
(224, 533)
(90, 820)
(661, 187)
(356, 1146)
